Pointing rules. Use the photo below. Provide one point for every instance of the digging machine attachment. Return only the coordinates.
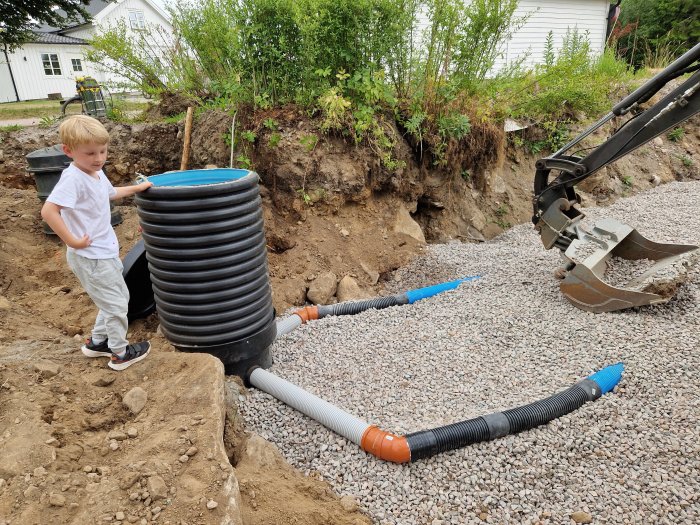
(588, 253)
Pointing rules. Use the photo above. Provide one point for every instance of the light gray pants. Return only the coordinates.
(102, 280)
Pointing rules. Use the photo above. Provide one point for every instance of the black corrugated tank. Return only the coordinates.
(206, 251)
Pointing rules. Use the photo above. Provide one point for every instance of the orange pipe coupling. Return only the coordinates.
(308, 313)
(386, 445)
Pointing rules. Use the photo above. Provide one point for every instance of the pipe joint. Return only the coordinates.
(306, 314)
(385, 445)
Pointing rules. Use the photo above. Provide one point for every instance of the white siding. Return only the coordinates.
(33, 83)
(545, 16)
(556, 16)
(121, 12)
(7, 92)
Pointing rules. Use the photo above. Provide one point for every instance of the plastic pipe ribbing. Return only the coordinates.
(427, 443)
(310, 313)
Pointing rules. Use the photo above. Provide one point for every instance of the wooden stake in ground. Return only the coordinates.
(188, 138)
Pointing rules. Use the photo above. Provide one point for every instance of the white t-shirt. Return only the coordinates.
(85, 209)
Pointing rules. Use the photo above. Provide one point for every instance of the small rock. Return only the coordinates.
(658, 142)
(344, 232)
(132, 432)
(32, 493)
(191, 451)
(104, 380)
(78, 337)
(46, 369)
(52, 441)
(405, 224)
(371, 273)
(184, 458)
(57, 500)
(211, 504)
(2, 483)
(39, 472)
(114, 445)
(4, 303)
(348, 289)
(88, 468)
(72, 330)
(580, 516)
(157, 488)
(322, 288)
(117, 435)
(348, 503)
(135, 399)
(119, 516)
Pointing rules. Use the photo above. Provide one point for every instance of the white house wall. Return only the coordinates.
(28, 70)
(110, 17)
(557, 16)
(7, 91)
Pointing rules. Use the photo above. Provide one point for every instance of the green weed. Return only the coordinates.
(271, 124)
(676, 134)
(686, 160)
(47, 122)
(309, 142)
(249, 135)
(274, 140)
(244, 161)
(174, 119)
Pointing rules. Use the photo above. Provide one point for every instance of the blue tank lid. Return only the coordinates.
(197, 177)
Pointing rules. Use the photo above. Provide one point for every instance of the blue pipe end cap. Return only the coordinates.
(608, 377)
(429, 291)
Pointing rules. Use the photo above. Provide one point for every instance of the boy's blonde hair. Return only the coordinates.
(81, 129)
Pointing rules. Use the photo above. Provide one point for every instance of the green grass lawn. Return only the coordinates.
(52, 108)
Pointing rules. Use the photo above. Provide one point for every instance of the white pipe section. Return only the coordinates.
(286, 325)
(316, 408)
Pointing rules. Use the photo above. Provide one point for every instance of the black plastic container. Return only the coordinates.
(138, 281)
(46, 165)
(205, 245)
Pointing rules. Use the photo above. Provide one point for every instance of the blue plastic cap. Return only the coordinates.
(608, 377)
(429, 291)
(197, 177)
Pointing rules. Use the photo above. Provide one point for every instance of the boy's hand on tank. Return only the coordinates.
(144, 186)
(83, 242)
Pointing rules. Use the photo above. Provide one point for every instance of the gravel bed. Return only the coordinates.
(504, 340)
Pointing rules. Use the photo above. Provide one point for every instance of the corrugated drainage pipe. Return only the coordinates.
(311, 313)
(427, 443)
(205, 245)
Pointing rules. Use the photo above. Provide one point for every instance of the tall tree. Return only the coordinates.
(18, 18)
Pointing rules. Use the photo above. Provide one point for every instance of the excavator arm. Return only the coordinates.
(558, 219)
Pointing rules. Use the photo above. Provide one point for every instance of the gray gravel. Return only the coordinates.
(505, 340)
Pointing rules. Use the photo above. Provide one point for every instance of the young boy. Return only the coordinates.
(78, 211)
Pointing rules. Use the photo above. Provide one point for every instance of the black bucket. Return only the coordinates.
(207, 256)
(46, 165)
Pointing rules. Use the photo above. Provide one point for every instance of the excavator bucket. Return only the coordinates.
(614, 267)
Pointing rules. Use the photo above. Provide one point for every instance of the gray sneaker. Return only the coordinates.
(134, 353)
(92, 349)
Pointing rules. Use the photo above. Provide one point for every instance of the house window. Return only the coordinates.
(77, 64)
(136, 20)
(51, 64)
